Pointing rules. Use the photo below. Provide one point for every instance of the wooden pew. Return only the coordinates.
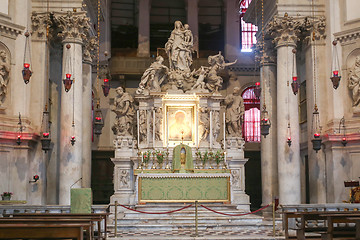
(341, 218)
(316, 215)
(93, 217)
(43, 228)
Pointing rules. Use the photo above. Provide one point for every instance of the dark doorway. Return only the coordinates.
(102, 176)
(253, 178)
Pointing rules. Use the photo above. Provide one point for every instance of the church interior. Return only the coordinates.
(155, 117)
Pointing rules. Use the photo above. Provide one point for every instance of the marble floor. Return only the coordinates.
(203, 234)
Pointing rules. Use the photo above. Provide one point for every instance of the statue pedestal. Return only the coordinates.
(236, 163)
(123, 171)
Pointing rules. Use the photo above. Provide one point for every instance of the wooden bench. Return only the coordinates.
(341, 218)
(92, 217)
(43, 228)
(317, 215)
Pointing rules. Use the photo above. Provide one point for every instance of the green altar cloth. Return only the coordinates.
(81, 200)
(176, 163)
(184, 187)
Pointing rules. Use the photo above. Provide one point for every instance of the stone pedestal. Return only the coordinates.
(236, 163)
(124, 181)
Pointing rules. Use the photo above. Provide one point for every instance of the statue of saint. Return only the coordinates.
(124, 109)
(179, 48)
(4, 74)
(153, 76)
(354, 82)
(234, 113)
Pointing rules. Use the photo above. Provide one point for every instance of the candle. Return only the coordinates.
(211, 130)
(224, 132)
(154, 128)
(167, 129)
(138, 128)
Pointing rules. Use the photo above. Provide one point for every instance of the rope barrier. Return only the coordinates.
(156, 212)
(241, 214)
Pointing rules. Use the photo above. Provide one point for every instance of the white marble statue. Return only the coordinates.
(158, 123)
(217, 63)
(354, 82)
(179, 47)
(234, 113)
(204, 123)
(143, 126)
(4, 75)
(153, 77)
(124, 109)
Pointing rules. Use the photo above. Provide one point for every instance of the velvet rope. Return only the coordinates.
(156, 212)
(241, 214)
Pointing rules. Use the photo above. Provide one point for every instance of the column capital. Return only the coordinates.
(313, 28)
(285, 30)
(265, 52)
(39, 24)
(89, 49)
(73, 25)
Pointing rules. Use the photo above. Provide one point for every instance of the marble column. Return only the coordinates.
(285, 30)
(317, 166)
(87, 114)
(73, 28)
(39, 96)
(232, 34)
(269, 171)
(144, 28)
(193, 21)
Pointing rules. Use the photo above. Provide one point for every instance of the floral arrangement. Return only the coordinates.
(204, 157)
(160, 156)
(6, 194)
(146, 156)
(219, 156)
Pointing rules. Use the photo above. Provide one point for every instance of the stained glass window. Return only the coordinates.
(247, 30)
(251, 125)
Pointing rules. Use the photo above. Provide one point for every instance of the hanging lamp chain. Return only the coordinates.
(98, 51)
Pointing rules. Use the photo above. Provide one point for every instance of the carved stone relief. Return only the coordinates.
(354, 82)
(216, 125)
(204, 123)
(124, 178)
(4, 73)
(158, 123)
(142, 125)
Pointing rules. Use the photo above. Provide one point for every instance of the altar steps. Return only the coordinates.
(131, 223)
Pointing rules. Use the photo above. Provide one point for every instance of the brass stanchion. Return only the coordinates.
(116, 203)
(196, 234)
(273, 216)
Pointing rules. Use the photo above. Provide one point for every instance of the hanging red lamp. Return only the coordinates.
(67, 82)
(106, 87)
(342, 125)
(26, 72)
(98, 120)
(295, 84)
(45, 133)
(288, 141)
(257, 90)
(265, 122)
(316, 141)
(335, 77)
(72, 140)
